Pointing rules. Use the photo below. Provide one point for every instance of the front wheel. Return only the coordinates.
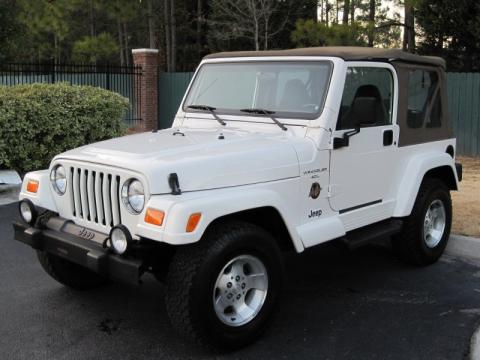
(426, 231)
(221, 291)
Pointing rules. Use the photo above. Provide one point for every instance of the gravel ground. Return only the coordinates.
(466, 201)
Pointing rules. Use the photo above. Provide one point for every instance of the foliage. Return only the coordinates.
(91, 49)
(374, 19)
(39, 121)
(451, 29)
(8, 28)
(45, 24)
(310, 33)
(64, 30)
(248, 19)
(186, 30)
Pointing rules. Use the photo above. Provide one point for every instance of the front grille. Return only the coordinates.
(95, 196)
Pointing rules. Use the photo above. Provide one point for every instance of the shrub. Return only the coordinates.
(38, 121)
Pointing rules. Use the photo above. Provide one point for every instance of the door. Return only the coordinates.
(362, 170)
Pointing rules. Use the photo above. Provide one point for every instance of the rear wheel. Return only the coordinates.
(426, 231)
(221, 291)
(68, 273)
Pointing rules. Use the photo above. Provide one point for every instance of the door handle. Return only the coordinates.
(387, 137)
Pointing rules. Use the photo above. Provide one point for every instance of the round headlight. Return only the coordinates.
(133, 196)
(58, 177)
(120, 239)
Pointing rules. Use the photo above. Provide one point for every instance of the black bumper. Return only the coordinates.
(86, 253)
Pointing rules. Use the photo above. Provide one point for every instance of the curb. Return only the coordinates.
(475, 345)
(463, 246)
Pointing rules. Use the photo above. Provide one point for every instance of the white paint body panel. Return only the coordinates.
(255, 165)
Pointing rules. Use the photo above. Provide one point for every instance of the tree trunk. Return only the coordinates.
(322, 17)
(55, 51)
(92, 19)
(352, 11)
(256, 37)
(346, 11)
(327, 12)
(125, 37)
(265, 46)
(336, 12)
(371, 22)
(151, 24)
(168, 46)
(174, 35)
(409, 30)
(120, 43)
(199, 26)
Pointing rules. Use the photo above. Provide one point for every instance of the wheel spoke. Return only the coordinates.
(436, 234)
(237, 268)
(223, 282)
(237, 316)
(256, 281)
(221, 302)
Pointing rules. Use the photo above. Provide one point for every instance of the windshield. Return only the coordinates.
(290, 89)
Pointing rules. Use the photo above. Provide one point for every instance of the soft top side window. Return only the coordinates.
(367, 98)
(424, 100)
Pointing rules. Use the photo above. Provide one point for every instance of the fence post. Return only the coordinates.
(107, 80)
(147, 87)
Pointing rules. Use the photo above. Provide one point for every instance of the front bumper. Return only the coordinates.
(86, 253)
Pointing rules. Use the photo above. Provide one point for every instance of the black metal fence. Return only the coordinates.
(124, 80)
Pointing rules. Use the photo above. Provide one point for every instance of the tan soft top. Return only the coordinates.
(352, 53)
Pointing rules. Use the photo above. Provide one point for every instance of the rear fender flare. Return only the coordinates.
(416, 169)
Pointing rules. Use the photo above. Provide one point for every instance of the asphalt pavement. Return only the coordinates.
(337, 305)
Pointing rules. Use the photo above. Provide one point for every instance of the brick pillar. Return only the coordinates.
(147, 60)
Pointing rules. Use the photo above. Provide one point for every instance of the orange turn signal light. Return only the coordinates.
(193, 221)
(32, 186)
(154, 216)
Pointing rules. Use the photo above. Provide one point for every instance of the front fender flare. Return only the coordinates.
(217, 203)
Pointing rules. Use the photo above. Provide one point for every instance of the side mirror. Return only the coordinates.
(343, 141)
(340, 142)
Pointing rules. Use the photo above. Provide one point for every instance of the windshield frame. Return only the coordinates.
(294, 116)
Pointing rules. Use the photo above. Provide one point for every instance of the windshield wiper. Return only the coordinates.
(269, 113)
(208, 108)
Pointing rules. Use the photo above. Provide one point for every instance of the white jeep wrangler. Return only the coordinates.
(269, 152)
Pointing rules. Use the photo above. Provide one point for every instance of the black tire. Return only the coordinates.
(191, 282)
(69, 274)
(410, 244)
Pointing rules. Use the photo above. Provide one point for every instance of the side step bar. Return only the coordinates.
(372, 233)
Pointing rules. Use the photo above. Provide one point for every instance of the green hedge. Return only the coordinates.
(38, 121)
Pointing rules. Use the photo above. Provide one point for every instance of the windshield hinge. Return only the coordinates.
(331, 190)
(174, 184)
